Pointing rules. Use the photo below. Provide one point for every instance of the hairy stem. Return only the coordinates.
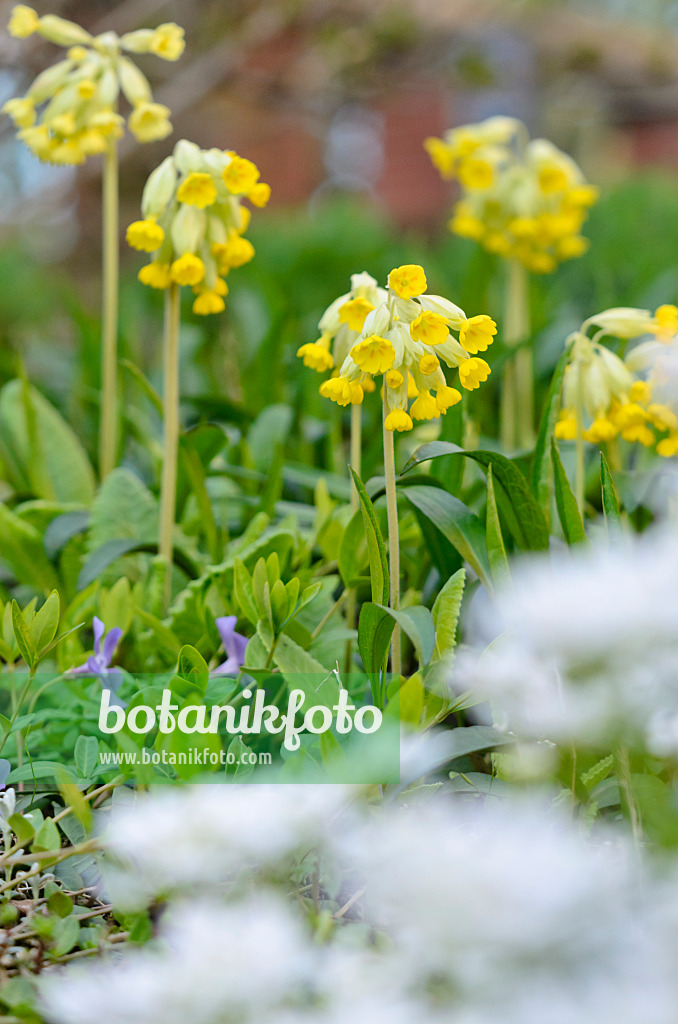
(168, 490)
(393, 539)
(108, 426)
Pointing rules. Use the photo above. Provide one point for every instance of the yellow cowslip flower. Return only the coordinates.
(477, 333)
(666, 319)
(405, 337)
(149, 122)
(192, 225)
(23, 22)
(69, 112)
(316, 354)
(168, 41)
(521, 199)
(22, 112)
(240, 175)
(566, 427)
(354, 311)
(198, 189)
(373, 354)
(472, 372)
(408, 281)
(398, 419)
(156, 275)
(187, 269)
(429, 328)
(668, 446)
(259, 194)
(145, 235)
(208, 302)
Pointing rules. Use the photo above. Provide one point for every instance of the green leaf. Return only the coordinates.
(566, 503)
(496, 552)
(41, 451)
(116, 605)
(376, 548)
(244, 591)
(541, 476)
(22, 828)
(23, 550)
(273, 423)
(86, 755)
(375, 628)
(353, 551)
(22, 635)
(445, 613)
(455, 521)
(123, 509)
(58, 903)
(594, 776)
(63, 528)
(303, 672)
(474, 738)
(47, 837)
(193, 667)
(520, 509)
(66, 936)
(112, 550)
(45, 623)
(611, 507)
(417, 622)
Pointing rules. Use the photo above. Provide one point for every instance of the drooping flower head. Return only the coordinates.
(523, 199)
(71, 110)
(194, 222)
(341, 324)
(404, 339)
(617, 399)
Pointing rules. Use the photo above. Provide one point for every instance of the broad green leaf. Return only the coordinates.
(445, 613)
(379, 571)
(66, 936)
(41, 451)
(244, 592)
(47, 837)
(86, 755)
(474, 738)
(22, 549)
(193, 667)
(22, 828)
(62, 529)
(116, 605)
(303, 672)
(353, 556)
(37, 770)
(611, 507)
(541, 477)
(455, 521)
(496, 552)
(45, 622)
(566, 503)
(520, 509)
(123, 509)
(273, 424)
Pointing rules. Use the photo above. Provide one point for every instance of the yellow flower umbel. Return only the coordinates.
(71, 110)
(193, 223)
(604, 397)
(405, 338)
(521, 198)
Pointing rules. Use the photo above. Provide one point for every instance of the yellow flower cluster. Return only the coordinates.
(614, 399)
(71, 110)
(404, 336)
(523, 199)
(194, 222)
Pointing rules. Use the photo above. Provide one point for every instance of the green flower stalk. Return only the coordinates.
(193, 227)
(70, 113)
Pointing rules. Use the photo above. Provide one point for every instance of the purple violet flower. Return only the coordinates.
(99, 663)
(234, 645)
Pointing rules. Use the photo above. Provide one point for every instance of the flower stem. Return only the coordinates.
(168, 490)
(356, 449)
(108, 424)
(393, 539)
(517, 407)
(579, 477)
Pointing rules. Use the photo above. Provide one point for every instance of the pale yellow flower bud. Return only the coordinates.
(188, 229)
(133, 83)
(63, 33)
(159, 189)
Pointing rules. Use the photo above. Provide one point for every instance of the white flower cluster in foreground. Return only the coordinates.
(584, 646)
(469, 914)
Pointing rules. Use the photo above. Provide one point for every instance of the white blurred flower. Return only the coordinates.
(585, 644)
(212, 834)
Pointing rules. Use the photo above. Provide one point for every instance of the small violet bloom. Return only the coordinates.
(99, 663)
(234, 645)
